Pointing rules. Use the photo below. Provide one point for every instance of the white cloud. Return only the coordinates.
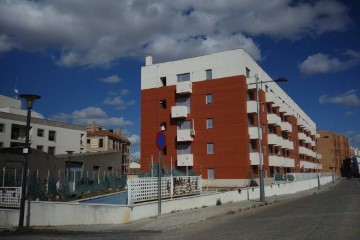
(349, 113)
(97, 33)
(87, 115)
(118, 102)
(135, 156)
(111, 79)
(348, 98)
(322, 63)
(134, 139)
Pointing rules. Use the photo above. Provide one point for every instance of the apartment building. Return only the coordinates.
(45, 135)
(207, 108)
(103, 140)
(335, 149)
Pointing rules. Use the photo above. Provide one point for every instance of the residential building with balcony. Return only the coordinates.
(103, 140)
(334, 149)
(207, 108)
(49, 136)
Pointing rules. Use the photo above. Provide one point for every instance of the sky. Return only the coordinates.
(84, 57)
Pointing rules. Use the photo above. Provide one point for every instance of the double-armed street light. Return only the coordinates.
(29, 99)
(257, 82)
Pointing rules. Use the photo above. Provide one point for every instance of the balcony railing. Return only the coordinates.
(184, 87)
(185, 135)
(253, 133)
(251, 107)
(272, 118)
(179, 112)
(254, 158)
(185, 160)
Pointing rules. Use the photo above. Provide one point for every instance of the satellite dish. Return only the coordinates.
(16, 91)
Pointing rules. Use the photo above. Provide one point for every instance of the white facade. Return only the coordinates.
(49, 136)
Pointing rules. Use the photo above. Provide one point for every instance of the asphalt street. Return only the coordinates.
(331, 213)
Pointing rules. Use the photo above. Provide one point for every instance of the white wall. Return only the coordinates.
(57, 214)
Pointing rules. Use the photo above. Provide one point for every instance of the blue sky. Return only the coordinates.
(84, 57)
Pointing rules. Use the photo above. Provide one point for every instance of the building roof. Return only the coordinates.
(107, 133)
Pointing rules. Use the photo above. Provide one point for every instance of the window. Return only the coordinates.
(101, 143)
(183, 77)
(40, 132)
(184, 148)
(184, 101)
(209, 98)
(88, 141)
(51, 150)
(247, 72)
(1, 144)
(2, 127)
(163, 81)
(52, 135)
(211, 173)
(40, 147)
(209, 123)
(162, 104)
(163, 126)
(208, 74)
(210, 148)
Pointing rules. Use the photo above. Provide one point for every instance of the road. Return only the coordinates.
(331, 214)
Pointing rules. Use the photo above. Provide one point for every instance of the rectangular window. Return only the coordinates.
(101, 143)
(163, 126)
(184, 101)
(184, 148)
(2, 127)
(209, 98)
(183, 77)
(163, 81)
(40, 147)
(247, 72)
(210, 148)
(209, 123)
(162, 104)
(51, 150)
(208, 74)
(211, 173)
(1, 144)
(40, 132)
(88, 141)
(52, 136)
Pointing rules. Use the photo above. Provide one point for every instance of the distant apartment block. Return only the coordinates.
(334, 149)
(45, 135)
(102, 140)
(207, 108)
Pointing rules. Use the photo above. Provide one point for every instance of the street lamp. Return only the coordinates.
(29, 99)
(262, 187)
(69, 163)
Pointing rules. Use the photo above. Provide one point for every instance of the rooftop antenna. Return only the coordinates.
(16, 91)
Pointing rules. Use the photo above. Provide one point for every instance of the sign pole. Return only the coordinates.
(161, 144)
(159, 185)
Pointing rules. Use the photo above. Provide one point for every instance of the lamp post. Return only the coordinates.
(69, 164)
(29, 99)
(262, 187)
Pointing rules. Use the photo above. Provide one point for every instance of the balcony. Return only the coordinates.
(251, 83)
(283, 107)
(251, 107)
(253, 133)
(179, 112)
(272, 139)
(302, 136)
(303, 150)
(272, 118)
(254, 158)
(185, 135)
(185, 160)
(184, 87)
(289, 162)
(308, 165)
(285, 126)
(319, 156)
(277, 161)
(270, 97)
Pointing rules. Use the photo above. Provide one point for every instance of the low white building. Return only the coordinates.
(46, 135)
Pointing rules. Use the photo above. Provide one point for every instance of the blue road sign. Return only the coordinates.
(160, 140)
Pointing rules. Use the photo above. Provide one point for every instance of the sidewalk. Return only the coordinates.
(170, 221)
